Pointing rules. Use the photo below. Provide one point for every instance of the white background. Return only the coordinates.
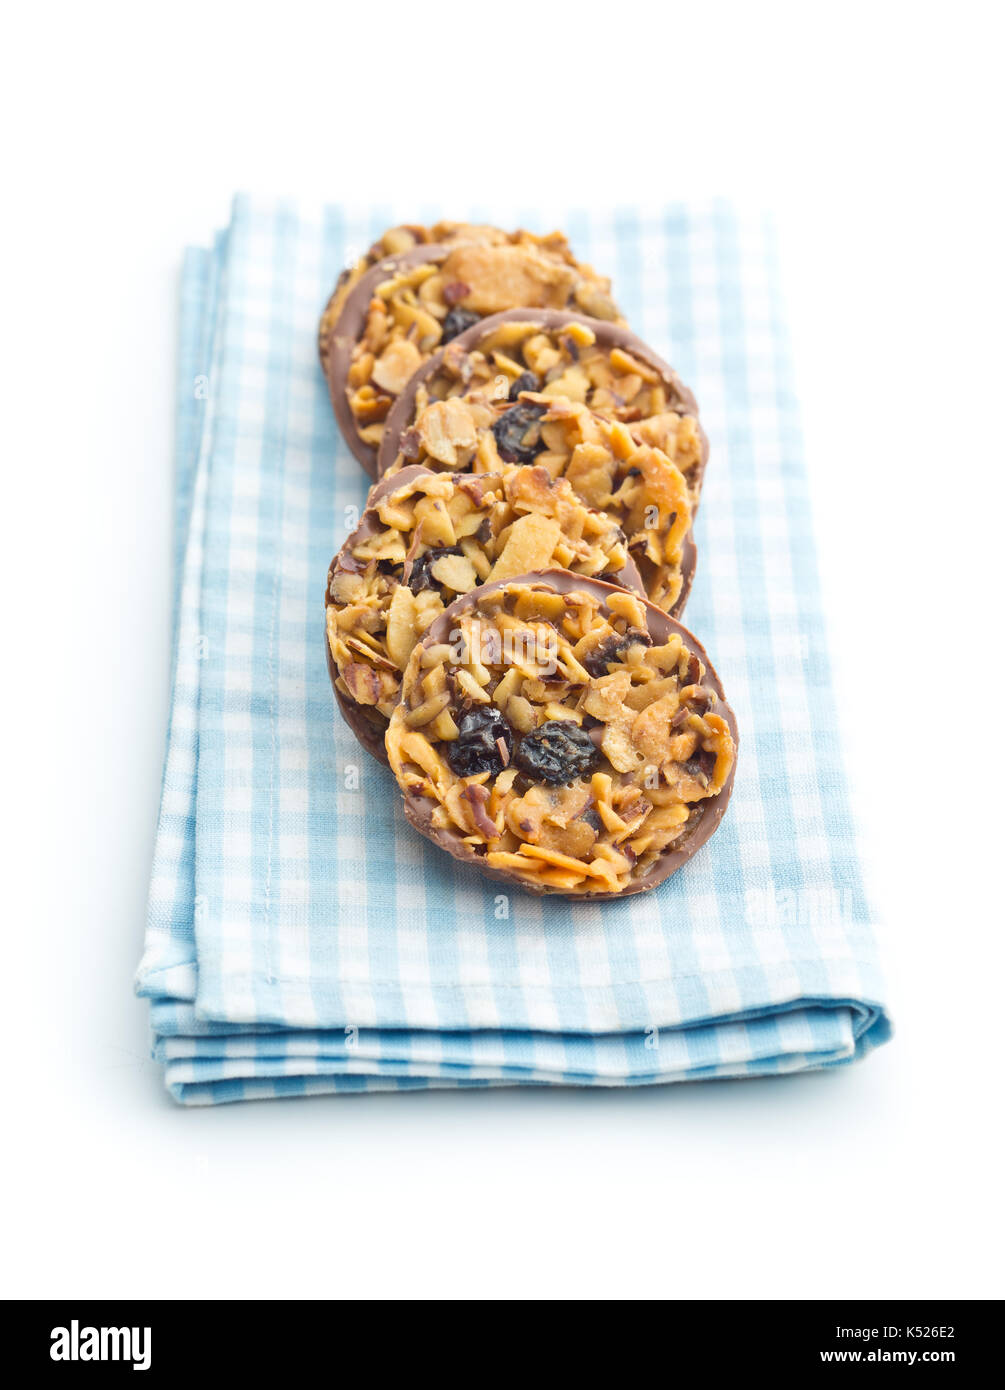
(875, 133)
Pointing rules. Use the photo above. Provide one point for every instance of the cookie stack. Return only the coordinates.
(503, 624)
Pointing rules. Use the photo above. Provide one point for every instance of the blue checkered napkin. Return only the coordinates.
(301, 937)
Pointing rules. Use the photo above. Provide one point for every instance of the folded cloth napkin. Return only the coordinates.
(301, 937)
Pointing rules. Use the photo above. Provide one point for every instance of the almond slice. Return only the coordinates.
(456, 572)
(354, 644)
(401, 631)
(529, 546)
(444, 427)
(562, 861)
(396, 365)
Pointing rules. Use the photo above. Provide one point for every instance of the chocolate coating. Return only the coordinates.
(369, 729)
(346, 333)
(688, 564)
(660, 625)
(608, 335)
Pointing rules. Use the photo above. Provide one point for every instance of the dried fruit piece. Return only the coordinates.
(517, 433)
(456, 322)
(526, 381)
(557, 751)
(476, 748)
(599, 658)
(422, 576)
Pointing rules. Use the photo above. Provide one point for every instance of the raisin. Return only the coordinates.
(593, 820)
(457, 321)
(597, 661)
(518, 433)
(526, 381)
(422, 576)
(475, 749)
(558, 751)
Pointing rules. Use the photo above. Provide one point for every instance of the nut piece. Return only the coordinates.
(501, 276)
(445, 427)
(530, 545)
(455, 572)
(396, 364)
(401, 626)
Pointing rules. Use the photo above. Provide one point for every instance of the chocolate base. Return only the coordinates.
(419, 809)
(688, 564)
(369, 727)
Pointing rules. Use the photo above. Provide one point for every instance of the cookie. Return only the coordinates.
(397, 240)
(405, 307)
(563, 735)
(635, 483)
(557, 355)
(427, 538)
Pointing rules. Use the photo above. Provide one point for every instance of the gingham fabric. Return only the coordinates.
(301, 936)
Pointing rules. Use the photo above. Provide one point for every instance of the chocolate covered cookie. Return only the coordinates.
(593, 294)
(427, 538)
(526, 359)
(638, 485)
(564, 735)
(377, 331)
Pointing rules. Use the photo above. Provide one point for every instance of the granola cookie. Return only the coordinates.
(594, 292)
(563, 735)
(554, 355)
(425, 539)
(405, 307)
(635, 483)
